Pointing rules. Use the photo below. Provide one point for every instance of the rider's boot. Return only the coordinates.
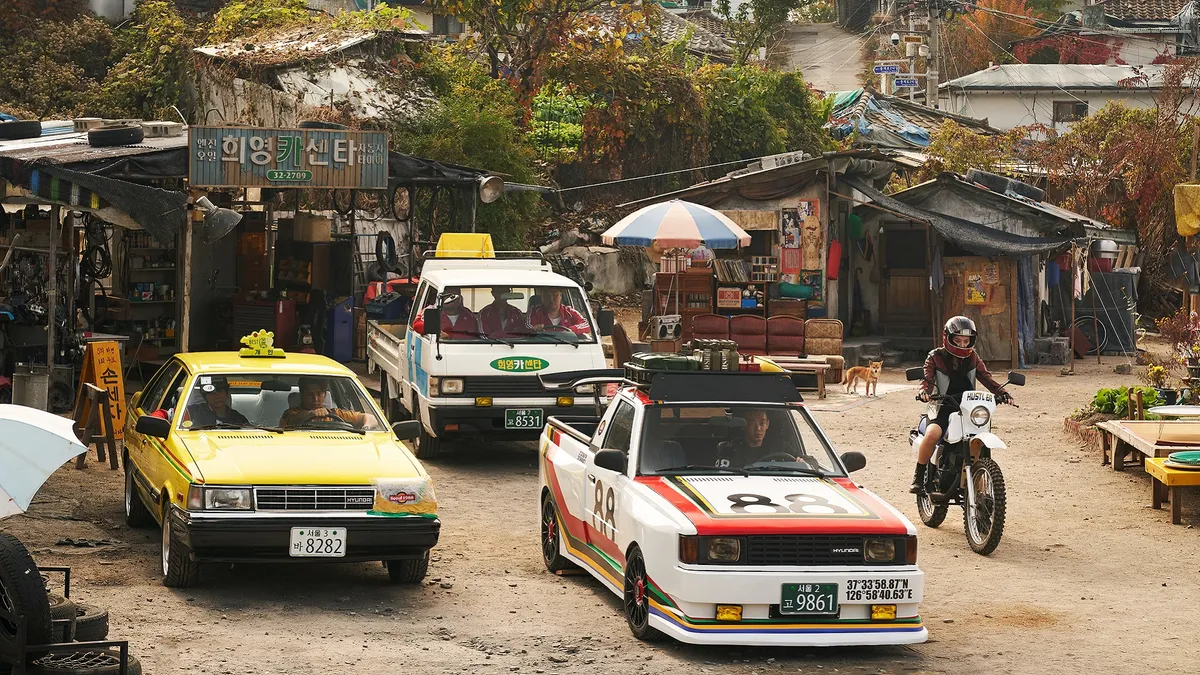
(918, 484)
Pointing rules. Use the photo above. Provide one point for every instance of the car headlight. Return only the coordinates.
(585, 389)
(231, 499)
(452, 385)
(980, 416)
(724, 549)
(879, 550)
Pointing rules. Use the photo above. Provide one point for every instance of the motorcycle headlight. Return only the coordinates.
(230, 499)
(980, 416)
(879, 550)
(452, 385)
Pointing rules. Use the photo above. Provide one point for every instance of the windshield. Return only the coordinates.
(278, 402)
(681, 440)
(514, 314)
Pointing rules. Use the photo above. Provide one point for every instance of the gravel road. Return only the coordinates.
(1088, 578)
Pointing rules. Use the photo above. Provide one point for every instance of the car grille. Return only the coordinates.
(515, 385)
(787, 549)
(314, 499)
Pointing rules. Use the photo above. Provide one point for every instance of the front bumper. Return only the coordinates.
(265, 537)
(685, 608)
(472, 419)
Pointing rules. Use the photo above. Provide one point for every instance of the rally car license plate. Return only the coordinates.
(809, 599)
(318, 542)
(523, 418)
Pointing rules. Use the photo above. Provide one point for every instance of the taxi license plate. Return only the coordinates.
(318, 542)
(809, 599)
(523, 418)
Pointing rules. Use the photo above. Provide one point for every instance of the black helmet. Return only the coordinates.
(959, 325)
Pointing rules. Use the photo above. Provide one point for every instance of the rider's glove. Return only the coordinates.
(923, 396)
(1004, 398)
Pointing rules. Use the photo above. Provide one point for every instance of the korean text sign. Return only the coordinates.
(320, 158)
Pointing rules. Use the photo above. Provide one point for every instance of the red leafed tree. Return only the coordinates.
(1091, 50)
(971, 41)
(19, 15)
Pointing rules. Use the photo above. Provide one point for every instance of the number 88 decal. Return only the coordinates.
(603, 508)
(797, 503)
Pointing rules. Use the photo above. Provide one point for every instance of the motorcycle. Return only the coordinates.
(962, 471)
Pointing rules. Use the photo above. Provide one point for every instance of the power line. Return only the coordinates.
(1041, 23)
(1017, 73)
(657, 175)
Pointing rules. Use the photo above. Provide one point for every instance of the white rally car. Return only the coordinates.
(714, 505)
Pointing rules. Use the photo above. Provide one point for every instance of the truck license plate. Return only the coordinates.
(318, 542)
(809, 599)
(523, 418)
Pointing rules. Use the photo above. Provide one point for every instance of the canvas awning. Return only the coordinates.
(976, 238)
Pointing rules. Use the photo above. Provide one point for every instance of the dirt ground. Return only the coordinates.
(1087, 578)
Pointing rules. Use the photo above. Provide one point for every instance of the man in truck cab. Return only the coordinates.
(500, 319)
(552, 313)
(458, 322)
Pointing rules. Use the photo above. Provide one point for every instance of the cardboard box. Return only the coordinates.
(308, 227)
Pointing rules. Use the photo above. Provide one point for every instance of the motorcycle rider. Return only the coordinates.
(951, 370)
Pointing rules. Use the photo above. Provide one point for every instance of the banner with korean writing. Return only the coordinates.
(102, 367)
(314, 158)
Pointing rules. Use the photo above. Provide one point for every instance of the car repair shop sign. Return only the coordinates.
(313, 158)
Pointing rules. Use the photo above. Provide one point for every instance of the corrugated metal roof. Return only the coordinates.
(72, 148)
(909, 123)
(1029, 76)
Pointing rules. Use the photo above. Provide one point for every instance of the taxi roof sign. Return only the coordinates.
(465, 245)
(261, 344)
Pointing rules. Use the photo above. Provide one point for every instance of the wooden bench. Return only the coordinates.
(1164, 480)
(803, 368)
(1120, 438)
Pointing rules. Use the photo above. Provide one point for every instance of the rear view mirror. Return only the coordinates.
(853, 461)
(613, 460)
(407, 430)
(917, 373)
(605, 319)
(275, 385)
(1017, 379)
(433, 321)
(148, 425)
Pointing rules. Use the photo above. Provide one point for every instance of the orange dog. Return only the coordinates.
(869, 375)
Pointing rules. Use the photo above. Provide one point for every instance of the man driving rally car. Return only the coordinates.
(752, 445)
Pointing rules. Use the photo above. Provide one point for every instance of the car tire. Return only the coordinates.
(103, 137)
(179, 570)
(19, 130)
(98, 662)
(408, 571)
(637, 598)
(22, 591)
(551, 529)
(428, 447)
(136, 513)
(62, 608)
(91, 623)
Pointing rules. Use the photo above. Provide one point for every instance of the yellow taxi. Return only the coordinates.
(260, 456)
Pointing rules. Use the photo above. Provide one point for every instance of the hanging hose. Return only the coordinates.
(385, 251)
(96, 262)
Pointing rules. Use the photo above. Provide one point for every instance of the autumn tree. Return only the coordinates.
(17, 16)
(973, 40)
(754, 23)
(953, 147)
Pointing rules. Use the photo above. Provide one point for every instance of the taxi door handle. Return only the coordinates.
(591, 478)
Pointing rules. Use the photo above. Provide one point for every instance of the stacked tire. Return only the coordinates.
(23, 592)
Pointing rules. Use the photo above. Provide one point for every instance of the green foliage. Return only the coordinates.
(382, 17)
(1115, 401)
(753, 112)
(754, 23)
(818, 11)
(152, 74)
(245, 17)
(556, 124)
(475, 124)
(52, 71)
(19, 16)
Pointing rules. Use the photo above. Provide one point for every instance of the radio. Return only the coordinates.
(666, 327)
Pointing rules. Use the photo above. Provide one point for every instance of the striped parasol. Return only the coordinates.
(677, 224)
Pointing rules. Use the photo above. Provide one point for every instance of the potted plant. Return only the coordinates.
(1156, 376)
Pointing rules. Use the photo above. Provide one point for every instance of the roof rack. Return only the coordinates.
(686, 386)
(467, 254)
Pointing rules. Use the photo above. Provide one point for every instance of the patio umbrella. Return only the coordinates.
(676, 224)
(33, 444)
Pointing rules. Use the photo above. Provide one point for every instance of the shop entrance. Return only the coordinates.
(904, 298)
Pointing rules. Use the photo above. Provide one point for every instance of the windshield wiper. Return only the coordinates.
(234, 425)
(706, 468)
(318, 426)
(552, 336)
(790, 467)
(486, 337)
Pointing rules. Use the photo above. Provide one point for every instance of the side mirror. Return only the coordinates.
(148, 425)
(433, 321)
(613, 460)
(605, 319)
(853, 461)
(914, 373)
(1017, 379)
(407, 430)
(133, 402)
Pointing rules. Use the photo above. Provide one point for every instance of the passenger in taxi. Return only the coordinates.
(215, 408)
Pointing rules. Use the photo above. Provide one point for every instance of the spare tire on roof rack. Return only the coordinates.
(17, 130)
(319, 124)
(115, 135)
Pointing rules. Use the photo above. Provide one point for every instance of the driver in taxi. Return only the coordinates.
(312, 407)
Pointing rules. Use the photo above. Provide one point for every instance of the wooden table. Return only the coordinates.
(1164, 479)
(805, 366)
(1121, 437)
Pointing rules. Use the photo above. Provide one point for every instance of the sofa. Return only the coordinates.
(818, 339)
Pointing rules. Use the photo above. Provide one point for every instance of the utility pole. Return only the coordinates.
(935, 54)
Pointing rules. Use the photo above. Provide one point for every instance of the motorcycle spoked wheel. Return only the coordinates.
(984, 524)
(933, 513)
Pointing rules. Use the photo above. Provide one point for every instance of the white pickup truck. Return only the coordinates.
(473, 370)
(714, 505)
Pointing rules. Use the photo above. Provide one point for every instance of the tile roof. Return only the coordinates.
(670, 27)
(1142, 9)
(706, 20)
